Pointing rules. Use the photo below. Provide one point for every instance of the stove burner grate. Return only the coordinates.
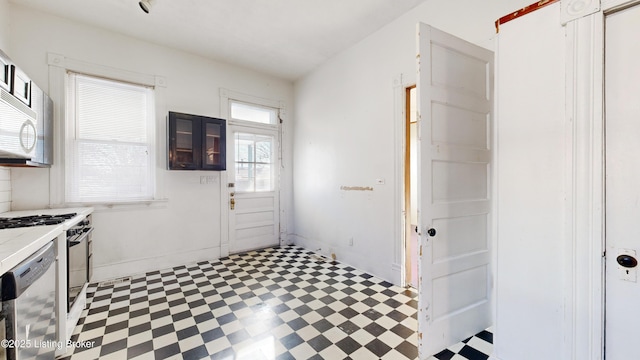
(34, 220)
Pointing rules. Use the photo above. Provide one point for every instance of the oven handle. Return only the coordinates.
(81, 238)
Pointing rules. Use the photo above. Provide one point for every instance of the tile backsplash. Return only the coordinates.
(5, 189)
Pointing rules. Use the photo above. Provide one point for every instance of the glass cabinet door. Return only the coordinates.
(213, 157)
(184, 143)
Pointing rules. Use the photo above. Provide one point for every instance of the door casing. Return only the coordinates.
(585, 171)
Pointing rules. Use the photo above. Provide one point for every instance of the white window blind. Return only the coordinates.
(110, 141)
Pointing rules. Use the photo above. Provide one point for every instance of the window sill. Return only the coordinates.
(117, 205)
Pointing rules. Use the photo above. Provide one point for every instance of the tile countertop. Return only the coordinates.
(17, 244)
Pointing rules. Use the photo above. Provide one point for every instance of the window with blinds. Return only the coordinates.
(109, 141)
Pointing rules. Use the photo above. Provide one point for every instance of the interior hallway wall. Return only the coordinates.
(187, 227)
(347, 134)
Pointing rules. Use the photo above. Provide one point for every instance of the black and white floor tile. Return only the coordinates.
(478, 347)
(277, 303)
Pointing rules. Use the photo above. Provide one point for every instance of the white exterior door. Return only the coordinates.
(455, 95)
(622, 119)
(253, 173)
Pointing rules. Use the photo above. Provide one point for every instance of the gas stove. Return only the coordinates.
(34, 220)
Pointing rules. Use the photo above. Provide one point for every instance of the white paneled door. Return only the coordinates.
(253, 173)
(622, 119)
(455, 81)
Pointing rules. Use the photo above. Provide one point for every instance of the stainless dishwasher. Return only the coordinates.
(28, 307)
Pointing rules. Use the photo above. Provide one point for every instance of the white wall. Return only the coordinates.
(4, 25)
(346, 134)
(187, 228)
(5, 189)
(531, 196)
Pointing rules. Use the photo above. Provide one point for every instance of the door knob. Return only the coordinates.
(627, 261)
(431, 232)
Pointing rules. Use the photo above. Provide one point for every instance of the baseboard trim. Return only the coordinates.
(143, 265)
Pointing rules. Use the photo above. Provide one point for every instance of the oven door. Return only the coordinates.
(77, 265)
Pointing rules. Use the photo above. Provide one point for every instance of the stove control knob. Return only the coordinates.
(71, 232)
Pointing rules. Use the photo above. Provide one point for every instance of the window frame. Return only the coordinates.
(73, 138)
(59, 65)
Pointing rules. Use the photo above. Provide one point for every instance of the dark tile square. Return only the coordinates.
(217, 304)
(94, 325)
(472, 354)
(117, 326)
(292, 340)
(163, 330)
(117, 345)
(486, 336)
(348, 313)
(139, 349)
(181, 315)
(370, 302)
(100, 309)
(297, 324)
(322, 325)
(393, 303)
(368, 291)
(280, 308)
(187, 332)
(375, 329)
(161, 313)
(445, 354)
(348, 345)
(306, 298)
(237, 306)
(397, 315)
(325, 311)
(348, 300)
(139, 328)
(302, 309)
(319, 343)
(140, 312)
(167, 351)
(408, 349)
(203, 317)
(388, 292)
(225, 319)
(378, 347)
(211, 335)
(348, 327)
(195, 353)
(402, 331)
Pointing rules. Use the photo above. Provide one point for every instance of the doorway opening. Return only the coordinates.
(411, 189)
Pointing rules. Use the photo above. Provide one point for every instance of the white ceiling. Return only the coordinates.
(286, 38)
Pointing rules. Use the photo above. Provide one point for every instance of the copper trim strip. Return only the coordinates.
(524, 11)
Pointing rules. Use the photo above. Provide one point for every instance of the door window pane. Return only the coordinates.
(254, 155)
(253, 113)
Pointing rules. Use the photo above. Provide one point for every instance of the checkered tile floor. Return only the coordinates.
(478, 347)
(278, 303)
